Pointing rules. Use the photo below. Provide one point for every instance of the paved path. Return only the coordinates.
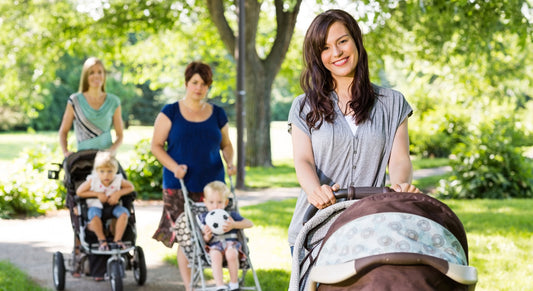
(30, 243)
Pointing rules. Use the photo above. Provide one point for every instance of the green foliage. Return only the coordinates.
(145, 171)
(488, 164)
(436, 132)
(11, 278)
(27, 190)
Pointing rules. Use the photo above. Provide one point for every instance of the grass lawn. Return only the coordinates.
(499, 231)
(11, 278)
(499, 235)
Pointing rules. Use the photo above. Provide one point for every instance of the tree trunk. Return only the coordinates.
(257, 106)
(260, 73)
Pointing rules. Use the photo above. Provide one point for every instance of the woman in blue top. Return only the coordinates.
(194, 133)
(92, 111)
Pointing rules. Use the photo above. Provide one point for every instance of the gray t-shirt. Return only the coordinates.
(341, 157)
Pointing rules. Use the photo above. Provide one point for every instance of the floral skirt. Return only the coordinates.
(173, 206)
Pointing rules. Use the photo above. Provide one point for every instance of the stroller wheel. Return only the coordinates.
(58, 270)
(116, 276)
(139, 266)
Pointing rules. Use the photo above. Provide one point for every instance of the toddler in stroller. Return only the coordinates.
(225, 245)
(106, 187)
(385, 241)
(106, 234)
(204, 250)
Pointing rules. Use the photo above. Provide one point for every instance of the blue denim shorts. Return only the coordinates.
(118, 210)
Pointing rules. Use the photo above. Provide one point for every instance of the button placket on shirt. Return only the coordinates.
(355, 143)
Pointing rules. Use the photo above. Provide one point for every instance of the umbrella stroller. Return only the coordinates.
(189, 237)
(385, 241)
(77, 166)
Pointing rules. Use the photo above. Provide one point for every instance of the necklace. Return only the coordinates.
(194, 111)
(345, 109)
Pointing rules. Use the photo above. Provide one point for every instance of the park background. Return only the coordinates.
(464, 66)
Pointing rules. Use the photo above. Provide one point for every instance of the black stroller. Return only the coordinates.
(385, 241)
(77, 167)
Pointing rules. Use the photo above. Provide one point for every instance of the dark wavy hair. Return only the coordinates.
(204, 70)
(316, 80)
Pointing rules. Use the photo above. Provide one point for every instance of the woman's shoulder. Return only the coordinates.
(387, 92)
(297, 102)
(113, 98)
(170, 108)
(389, 96)
(74, 97)
(299, 99)
(217, 108)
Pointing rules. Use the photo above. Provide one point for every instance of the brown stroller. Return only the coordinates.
(385, 241)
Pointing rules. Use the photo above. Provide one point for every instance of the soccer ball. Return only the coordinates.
(215, 219)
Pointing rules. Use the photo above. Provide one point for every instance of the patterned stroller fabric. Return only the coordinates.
(183, 230)
(390, 241)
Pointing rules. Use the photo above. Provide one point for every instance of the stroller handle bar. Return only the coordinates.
(350, 193)
(232, 189)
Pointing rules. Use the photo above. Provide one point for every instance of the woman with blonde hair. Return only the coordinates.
(93, 111)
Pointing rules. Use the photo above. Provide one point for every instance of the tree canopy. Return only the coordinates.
(436, 52)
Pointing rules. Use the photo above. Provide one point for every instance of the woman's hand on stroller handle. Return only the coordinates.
(323, 196)
(180, 170)
(231, 169)
(349, 193)
(405, 187)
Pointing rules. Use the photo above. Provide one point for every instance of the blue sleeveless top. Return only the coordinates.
(197, 145)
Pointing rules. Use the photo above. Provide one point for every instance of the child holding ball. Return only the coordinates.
(226, 245)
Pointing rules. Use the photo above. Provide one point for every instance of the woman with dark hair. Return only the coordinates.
(345, 130)
(189, 136)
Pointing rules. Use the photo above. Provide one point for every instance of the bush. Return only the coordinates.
(489, 164)
(436, 133)
(27, 190)
(145, 171)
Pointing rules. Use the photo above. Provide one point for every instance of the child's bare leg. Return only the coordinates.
(232, 258)
(97, 227)
(120, 227)
(185, 271)
(216, 266)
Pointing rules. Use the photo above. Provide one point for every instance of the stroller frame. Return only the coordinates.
(200, 258)
(131, 257)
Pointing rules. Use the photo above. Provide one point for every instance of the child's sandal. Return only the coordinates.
(120, 244)
(103, 245)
